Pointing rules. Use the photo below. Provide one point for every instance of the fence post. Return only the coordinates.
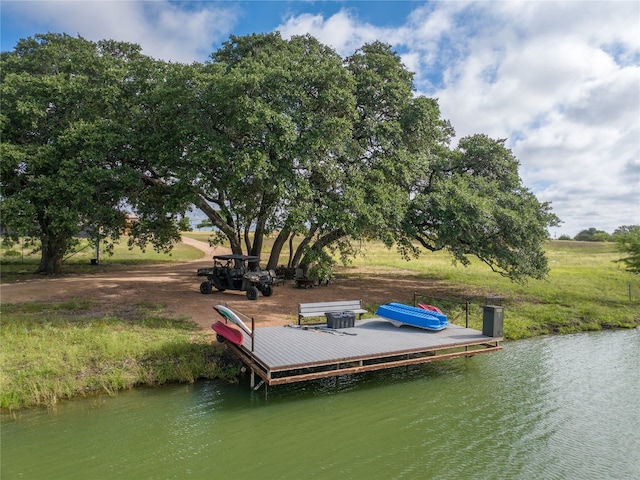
(466, 308)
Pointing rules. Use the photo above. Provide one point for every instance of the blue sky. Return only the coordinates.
(559, 80)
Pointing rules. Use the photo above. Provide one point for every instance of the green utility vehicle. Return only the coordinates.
(237, 272)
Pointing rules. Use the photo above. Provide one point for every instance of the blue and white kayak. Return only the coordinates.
(230, 315)
(399, 314)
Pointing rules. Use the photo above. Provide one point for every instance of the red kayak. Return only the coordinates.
(424, 306)
(228, 333)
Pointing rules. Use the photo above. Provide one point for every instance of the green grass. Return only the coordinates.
(585, 290)
(18, 263)
(57, 351)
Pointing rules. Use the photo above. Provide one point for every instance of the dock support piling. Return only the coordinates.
(258, 385)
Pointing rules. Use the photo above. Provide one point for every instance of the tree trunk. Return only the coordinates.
(321, 243)
(290, 261)
(303, 246)
(258, 238)
(277, 248)
(216, 219)
(261, 220)
(247, 240)
(53, 250)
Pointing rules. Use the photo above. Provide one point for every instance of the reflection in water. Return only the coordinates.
(553, 407)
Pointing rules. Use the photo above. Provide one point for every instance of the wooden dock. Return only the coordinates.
(287, 354)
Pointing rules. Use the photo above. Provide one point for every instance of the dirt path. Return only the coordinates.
(177, 287)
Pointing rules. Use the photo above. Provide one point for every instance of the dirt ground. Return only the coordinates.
(177, 287)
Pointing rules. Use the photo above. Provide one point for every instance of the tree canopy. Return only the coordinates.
(270, 137)
(474, 203)
(68, 119)
(627, 239)
(592, 235)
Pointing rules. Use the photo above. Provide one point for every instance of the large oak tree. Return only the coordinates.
(270, 136)
(473, 203)
(274, 118)
(70, 146)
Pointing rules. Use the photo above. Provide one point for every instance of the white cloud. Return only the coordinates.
(559, 80)
(339, 30)
(165, 30)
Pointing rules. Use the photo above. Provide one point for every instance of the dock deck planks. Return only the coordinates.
(285, 354)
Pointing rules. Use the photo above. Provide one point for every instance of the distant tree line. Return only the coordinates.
(269, 137)
(594, 235)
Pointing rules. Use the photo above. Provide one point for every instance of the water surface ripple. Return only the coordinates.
(560, 407)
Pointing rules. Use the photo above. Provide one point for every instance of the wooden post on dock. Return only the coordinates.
(253, 334)
(466, 310)
(466, 315)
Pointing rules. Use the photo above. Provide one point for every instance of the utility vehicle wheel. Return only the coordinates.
(252, 293)
(267, 291)
(205, 287)
(220, 338)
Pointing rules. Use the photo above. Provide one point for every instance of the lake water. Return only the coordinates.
(562, 407)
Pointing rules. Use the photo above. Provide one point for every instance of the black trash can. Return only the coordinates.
(492, 320)
(340, 319)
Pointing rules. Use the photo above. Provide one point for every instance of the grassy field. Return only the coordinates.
(585, 290)
(74, 350)
(56, 351)
(18, 262)
(61, 350)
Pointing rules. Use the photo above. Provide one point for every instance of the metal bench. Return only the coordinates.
(308, 310)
